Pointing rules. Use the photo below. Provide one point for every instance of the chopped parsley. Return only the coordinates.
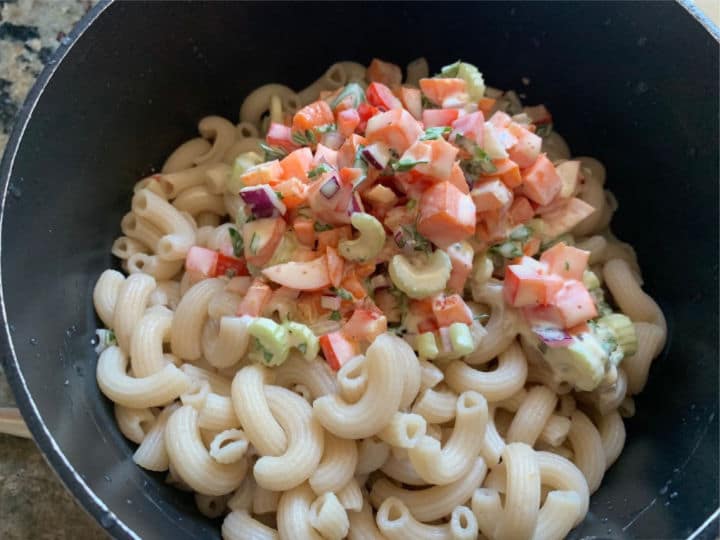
(320, 227)
(353, 90)
(254, 241)
(273, 152)
(480, 317)
(342, 293)
(237, 242)
(406, 165)
(507, 250)
(521, 232)
(335, 315)
(435, 133)
(321, 169)
(412, 238)
(411, 204)
(543, 130)
(304, 138)
(326, 128)
(479, 162)
(427, 104)
(279, 195)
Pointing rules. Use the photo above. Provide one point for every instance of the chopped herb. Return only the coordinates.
(567, 266)
(508, 250)
(411, 204)
(321, 169)
(335, 315)
(237, 242)
(268, 356)
(360, 163)
(404, 166)
(352, 89)
(435, 133)
(427, 104)
(230, 272)
(479, 162)
(254, 241)
(413, 237)
(304, 138)
(279, 195)
(326, 128)
(543, 130)
(320, 227)
(542, 347)
(342, 293)
(111, 339)
(272, 152)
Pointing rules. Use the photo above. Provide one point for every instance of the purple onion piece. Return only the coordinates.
(330, 188)
(333, 140)
(263, 201)
(553, 337)
(355, 204)
(377, 155)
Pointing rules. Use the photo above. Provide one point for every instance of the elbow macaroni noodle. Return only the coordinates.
(392, 446)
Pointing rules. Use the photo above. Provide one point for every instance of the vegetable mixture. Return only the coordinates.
(378, 209)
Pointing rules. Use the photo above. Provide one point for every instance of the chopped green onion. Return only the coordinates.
(435, 133)
(273, 152)
(404, 166)
(320, 227)
(508, 250)
(237, 242)
(254, 243)
(521, 233)
(321, 169)
(352, 89)
(304, 138)
(326, 128)
(335, 315)
(342, 293)
(543, 130)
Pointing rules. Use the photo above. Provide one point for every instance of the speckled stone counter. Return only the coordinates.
(33, 503)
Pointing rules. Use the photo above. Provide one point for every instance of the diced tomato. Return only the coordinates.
(380, 96)
(507, 171)
(230, 266)
(542, 316)
(384, 72)
(446, 215)
(439, 117)
(461, 259)
(332, 237)
(527, 285)
(338, 349)
(347, 121)
(541, 182)
(313, 115)
(335, 265)
(531, 246)
(293, 192)
(280, 135)
(323, 154)
(566, 261)
(565, 217)
(363, 270)
(366, 112)
(485, 105)
(412, 100)
(500, 120)
(365, 325)
(303, 276)
(396, 128)
(261, 237)
(304, 231)
(440, 89)
(574, 303)
(297, 164)
(527, 148)
(449, 309)
(471, 126)
(491, 195)
(348, 150)
(270, 172)
(492, 226)
(353, 285)
(255, 300)
(201, 262)
(440, 155)
(521, 211)
(457, 178)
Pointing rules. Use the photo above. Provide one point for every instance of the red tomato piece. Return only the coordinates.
(347, 121)
(574, 303)
(365, 325)
(293, 192)
(255, 300)
(280, 135)
(439, 89)
(412, 100)
(323, 154)
(266, 173)
(457, 178)
(366, 112)
(380, 96)
(313, 115)
(396, 128)
(230, 266)
(527, 148)
(446, 215)
(335, 266)
(528, 285)
(304, 231)
(541, 182)
(297, 164)
(491, 195)
(461, 260)
(471, 126)
(507, 171)
(338, 349)
(566, 261)
(439, 117)
(521, 211)
(451, 309)
(201, 262)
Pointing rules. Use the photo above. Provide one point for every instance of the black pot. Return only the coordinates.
(633, 84)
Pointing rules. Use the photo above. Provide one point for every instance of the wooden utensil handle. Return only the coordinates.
(12, 423)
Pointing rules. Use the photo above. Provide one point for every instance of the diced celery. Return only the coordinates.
(426, 345)
(303, 339)
(270, 346)
(461, 338)
(590, 280)
(470, 74)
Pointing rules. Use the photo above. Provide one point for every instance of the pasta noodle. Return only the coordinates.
(316, 361)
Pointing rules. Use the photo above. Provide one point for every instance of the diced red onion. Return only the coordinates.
(330, 302)
(330, 187)
(263, 201)
(377, 155)
(400, 239)
(553, 337)
(355, 204)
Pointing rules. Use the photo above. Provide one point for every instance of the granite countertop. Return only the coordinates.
(33, 502)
